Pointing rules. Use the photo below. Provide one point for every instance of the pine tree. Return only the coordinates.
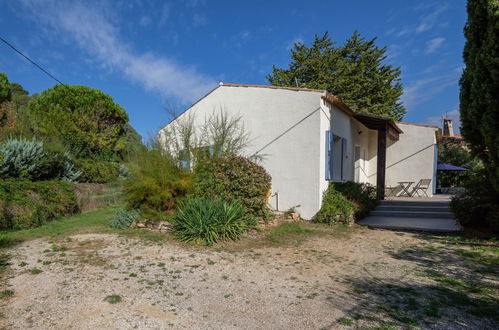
(354, 71)
(479, 99)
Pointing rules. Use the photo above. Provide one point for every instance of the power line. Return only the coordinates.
(32, 62)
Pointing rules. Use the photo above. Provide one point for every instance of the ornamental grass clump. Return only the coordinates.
(155, 185)
(207, 221)
(123, 219)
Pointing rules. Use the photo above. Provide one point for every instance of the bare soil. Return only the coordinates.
(365, 278)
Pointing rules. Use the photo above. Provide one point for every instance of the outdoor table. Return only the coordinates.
(405, 185)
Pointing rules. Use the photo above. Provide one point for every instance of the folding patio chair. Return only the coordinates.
(422, 185)
(392, 191)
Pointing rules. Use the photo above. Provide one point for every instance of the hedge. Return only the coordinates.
(26, 204)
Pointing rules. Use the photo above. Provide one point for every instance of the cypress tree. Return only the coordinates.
(355, 72)
(479, 99)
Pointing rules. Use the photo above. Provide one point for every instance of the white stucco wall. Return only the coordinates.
(290, 126)
(270, 114)
(413, 157)
(347, 127)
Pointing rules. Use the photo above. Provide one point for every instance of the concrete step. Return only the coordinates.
(412, 208)
(421, 224)
(412, 203)
(412, 214)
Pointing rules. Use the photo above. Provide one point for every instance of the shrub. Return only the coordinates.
(87, 121)
(478, 206)
(155, 185)
(123, 219)
(207, 221)
(29, 159)
(234, 179)
(21, 158)
(336, 208)
(363, 195)
(97, 171)
(25, 204)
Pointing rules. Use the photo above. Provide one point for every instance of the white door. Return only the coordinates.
(357, 164)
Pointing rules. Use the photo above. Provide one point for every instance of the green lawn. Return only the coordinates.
(89, 222)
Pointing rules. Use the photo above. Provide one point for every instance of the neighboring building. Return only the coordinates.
(309, 137)
(447, 137)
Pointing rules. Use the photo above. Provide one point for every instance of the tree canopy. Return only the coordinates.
(479, 98)
(356, 72)
(85, 120)
(4, 88)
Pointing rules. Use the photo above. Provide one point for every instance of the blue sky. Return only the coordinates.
(147, 53)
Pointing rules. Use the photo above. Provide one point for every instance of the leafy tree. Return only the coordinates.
(456, 155)
(85, 120)
(354, 71)
(478, 206)
(479, 99)
(4, 88)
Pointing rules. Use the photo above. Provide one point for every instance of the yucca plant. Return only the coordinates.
(123, 219)
(208, 221)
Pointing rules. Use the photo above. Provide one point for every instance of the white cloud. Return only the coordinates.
(145, 21)
(426, 22)
(429, 20)
(198, 20)
(297, 40)
(434, 44)
(245, 35)
(94, 33)
(422, 90)
(164, 14)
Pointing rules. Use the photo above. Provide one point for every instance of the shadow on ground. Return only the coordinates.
(452, 288)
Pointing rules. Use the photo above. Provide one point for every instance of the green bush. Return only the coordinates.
(25, 204)
(97, 171)
(363, 195)
(208, 221)
(21, 158)
(123, 219)
(478, 207)
(234, 179)
(155, 185)
(336, 208)
(31, 160)
(87, 121)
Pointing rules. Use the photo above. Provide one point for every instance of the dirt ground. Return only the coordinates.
(364, 279)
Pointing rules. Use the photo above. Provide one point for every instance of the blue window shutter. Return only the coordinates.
(343, 154)
(329, 155)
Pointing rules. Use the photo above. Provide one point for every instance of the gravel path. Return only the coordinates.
(320, 284)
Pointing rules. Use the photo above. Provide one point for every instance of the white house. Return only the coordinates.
(309, 137)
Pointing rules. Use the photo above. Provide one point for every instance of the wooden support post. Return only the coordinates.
(381, 162)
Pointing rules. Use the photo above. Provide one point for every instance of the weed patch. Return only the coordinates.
(113, 299)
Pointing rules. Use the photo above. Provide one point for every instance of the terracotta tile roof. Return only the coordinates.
(273, 87)
(334, 100)
(421, 125)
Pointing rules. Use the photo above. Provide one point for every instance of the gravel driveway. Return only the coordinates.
(325, 281)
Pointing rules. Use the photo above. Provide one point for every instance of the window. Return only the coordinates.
(185, 159)
(329, 155)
